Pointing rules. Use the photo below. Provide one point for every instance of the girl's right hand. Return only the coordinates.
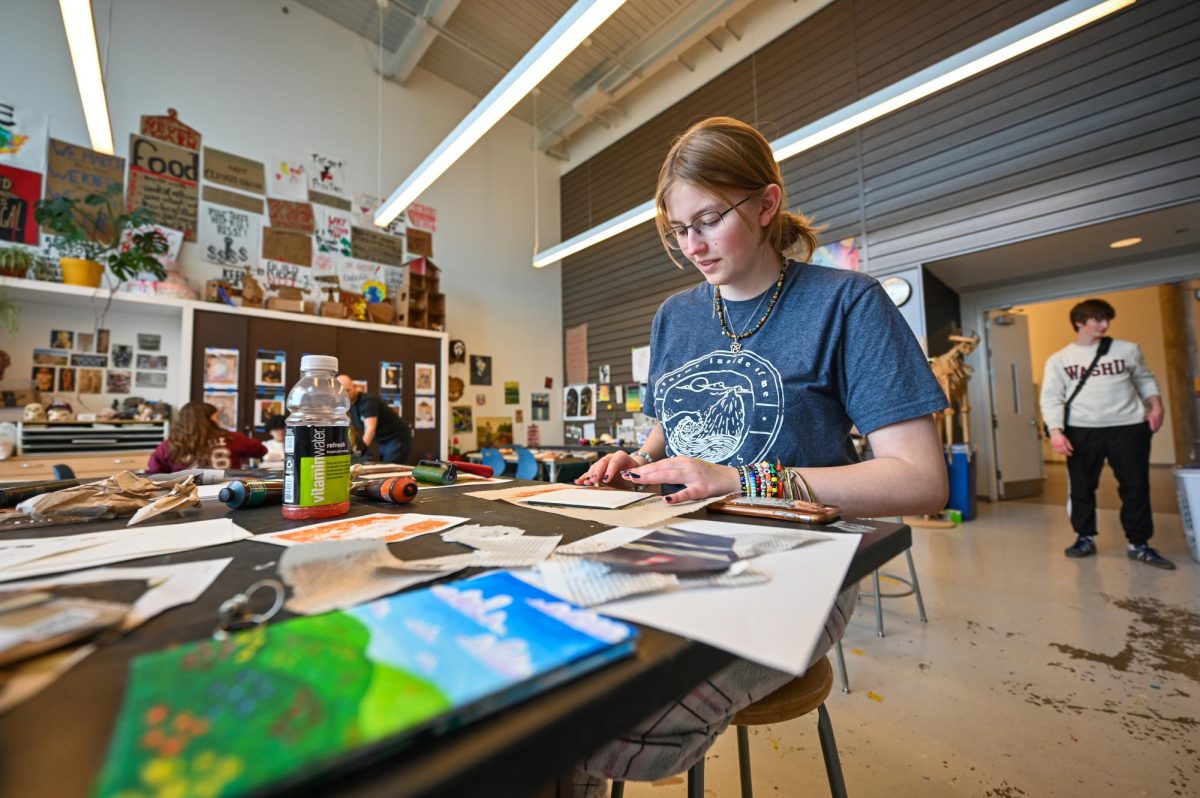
(607, 470)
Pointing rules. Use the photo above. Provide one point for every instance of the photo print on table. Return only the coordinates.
(90, 381)
(152, 362)
(62, 339)
(391, 375)
(481, 369)
(150, 379)
(220, 367)
(425, 379)
(149, 341)
(118, 381)
(122, 356)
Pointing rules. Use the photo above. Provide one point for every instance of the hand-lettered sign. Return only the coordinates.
(164, 179)
(234, 171)
(380, 247)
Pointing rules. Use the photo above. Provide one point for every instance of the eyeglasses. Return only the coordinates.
(703, 225)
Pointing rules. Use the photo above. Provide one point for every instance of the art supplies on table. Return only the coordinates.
(15, 494)
(382, 526)
(35, 621)
(250, 493)
(593, 498)
(394, 490)
(435, 472)
(277, 705)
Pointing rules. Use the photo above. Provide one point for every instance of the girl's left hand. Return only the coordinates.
(700, 478)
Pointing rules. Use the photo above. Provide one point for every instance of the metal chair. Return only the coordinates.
(493, 458)
(798, 697)
(527, 465)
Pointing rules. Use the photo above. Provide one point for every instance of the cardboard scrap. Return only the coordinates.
(372, 245)
(288, 215)
(169, 129)
(234, 171)
(419, 242)
(233, 199)
(287, 245)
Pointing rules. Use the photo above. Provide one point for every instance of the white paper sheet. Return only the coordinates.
(591, 498)
(604, 541)
(210, 491)
(469, 533)
(388, 527)
(500, 552)
(776, 624)
(588, 583)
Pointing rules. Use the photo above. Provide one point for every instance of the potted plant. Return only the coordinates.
(78, 227)
(15, 261)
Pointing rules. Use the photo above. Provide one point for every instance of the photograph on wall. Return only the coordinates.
(62, 339)
(391, 375)
(266, 406)
(512, 392)
(220, 368)
(89, 361)
(519, 415)
(122, 356)
(50, 357)
(118, 381)
(43, 378)
(226, 404)
(539, 406)
(425, 379)
(149, 342)
(425, 413)
(458, 351)
(481, 369)
(492, 431)
(83, 341)
(150, 379)
(90, 381)
(102, 338)
(463, 418)
(603, 373)
(152, 362)
(269, 368)
(579, 403)
(66, 381)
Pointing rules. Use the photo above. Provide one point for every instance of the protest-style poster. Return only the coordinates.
(288, 179)
(286, 245)
(419, 242)
(270, 366)
(333, 228)
(422, 216)
(234, 171)
(232, 199)
(75, 172)
(170, 129)
(20, 189)
(362, 209)
(327, 175)
(23, 134)
(163, 179)
(372, 244)
(228, 236)
(281, 274)
(373, 281)
(288, 215)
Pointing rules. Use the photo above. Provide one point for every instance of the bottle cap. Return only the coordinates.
(318, 363)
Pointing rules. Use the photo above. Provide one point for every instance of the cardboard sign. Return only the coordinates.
(233, 199)
(419, 242)
(19, 190)
(279, 274)
(288, 215)
(287, 245)
(371, 245)
(163, 178)
(234, 171)
(329, 200)
(174, 239)
(23, 135)
(289, 179)
(333, 230)
(228, 236)
(375, 282)
(169, 129)
(422, 216)
(328, 176)
(74, 171)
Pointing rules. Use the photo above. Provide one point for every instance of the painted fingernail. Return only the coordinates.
(607, 477)
(630, 475)
(669, 499)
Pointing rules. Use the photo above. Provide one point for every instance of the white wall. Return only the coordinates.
(257, 82)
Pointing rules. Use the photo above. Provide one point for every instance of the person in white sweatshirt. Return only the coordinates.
(1112, 418)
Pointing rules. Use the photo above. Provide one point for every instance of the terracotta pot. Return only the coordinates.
(79, 271)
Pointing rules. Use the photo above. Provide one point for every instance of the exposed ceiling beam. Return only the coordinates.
(399, 65)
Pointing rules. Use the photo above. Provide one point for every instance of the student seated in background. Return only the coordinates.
(197, 441)
(277, 428)
(376, 422)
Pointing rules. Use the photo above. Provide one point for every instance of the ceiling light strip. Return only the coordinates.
(1019, 39)
(81, 39)
(576, 25)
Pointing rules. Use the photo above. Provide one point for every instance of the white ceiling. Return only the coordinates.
(1165, 232)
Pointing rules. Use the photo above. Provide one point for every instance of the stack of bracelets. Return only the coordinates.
(773, 481)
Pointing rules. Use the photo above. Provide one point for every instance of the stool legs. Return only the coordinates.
(878, 604)
(618, 790)
(841, 663)
(696, 780)
(912, 570)
(833, 765)
(743, 738)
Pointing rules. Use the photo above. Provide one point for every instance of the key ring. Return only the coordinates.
(234, 613)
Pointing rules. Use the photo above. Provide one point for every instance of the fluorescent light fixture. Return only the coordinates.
(81, 38)
(1125, 242)
(1005, 46)
(576, 25)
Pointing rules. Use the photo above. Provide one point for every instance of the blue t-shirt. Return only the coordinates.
(835, 352)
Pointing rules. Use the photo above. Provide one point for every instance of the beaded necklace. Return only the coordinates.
(719, 308)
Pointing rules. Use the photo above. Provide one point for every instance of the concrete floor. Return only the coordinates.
(1036, 675)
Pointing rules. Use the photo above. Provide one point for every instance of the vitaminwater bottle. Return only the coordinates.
(316, 482)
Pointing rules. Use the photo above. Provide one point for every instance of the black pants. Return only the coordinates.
(1127, 450)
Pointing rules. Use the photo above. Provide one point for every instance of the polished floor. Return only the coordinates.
(1036, 675)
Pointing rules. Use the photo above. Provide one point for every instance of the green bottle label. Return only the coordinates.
(316, 466)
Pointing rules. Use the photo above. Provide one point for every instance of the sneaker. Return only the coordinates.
(1149, 556)
(1083, 546)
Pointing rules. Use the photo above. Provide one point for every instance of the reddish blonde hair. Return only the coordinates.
(193, 434)
(730, 159)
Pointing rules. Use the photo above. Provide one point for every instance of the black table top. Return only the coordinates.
(55, 743)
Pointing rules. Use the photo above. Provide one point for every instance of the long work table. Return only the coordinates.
(55, 743)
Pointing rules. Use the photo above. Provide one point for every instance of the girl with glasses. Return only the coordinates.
(756, 376)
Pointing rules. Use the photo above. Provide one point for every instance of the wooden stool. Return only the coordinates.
(798, 697)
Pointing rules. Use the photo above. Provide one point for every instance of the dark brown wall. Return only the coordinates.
(1101, 124)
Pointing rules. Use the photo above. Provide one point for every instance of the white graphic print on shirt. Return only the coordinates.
(721, 407)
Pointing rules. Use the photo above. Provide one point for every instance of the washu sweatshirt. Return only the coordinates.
(1113, 395)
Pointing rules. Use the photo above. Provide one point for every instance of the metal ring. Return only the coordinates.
(233, 615)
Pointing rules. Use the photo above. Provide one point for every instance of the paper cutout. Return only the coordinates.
(234, 171)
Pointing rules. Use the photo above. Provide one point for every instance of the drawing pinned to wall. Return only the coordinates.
(220, 368)
(639, 358)
(604, 394)
(23, 134)
(62, 339)
(327, 175)
(227, 236)
(270, 367)
(391, 375)
(164, 179)
(492, 431)
(152, 362)
(43, 378)
(51, 357)
(425, 413)
(480, 399)
(463, 418)
(288, 179)
(368, 280)
(90, 360)
(66, 381)
(603, 373)
(149, 342)
(425, 379)
(267, 403)
(298, 217)
(332, 230)
(226, 403)
(539, 406)
(633, 398)
(20, 190)
(512, 392)
(102, 339)
(481, 369)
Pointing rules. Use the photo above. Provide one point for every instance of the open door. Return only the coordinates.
(1019, 467)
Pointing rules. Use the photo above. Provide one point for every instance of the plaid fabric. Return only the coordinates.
(677, 736)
